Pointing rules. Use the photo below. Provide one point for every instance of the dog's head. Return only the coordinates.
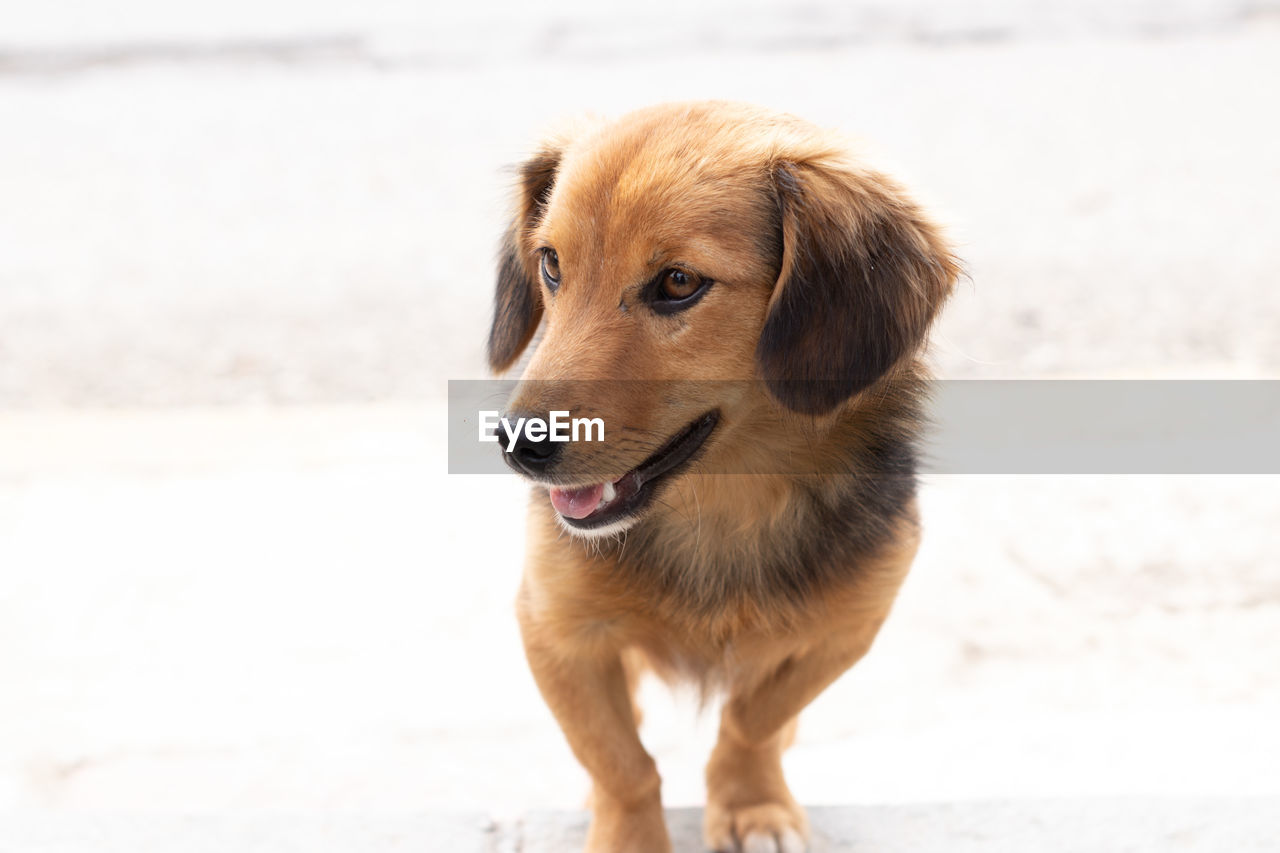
(686, 244)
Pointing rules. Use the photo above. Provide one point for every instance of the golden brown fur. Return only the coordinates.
(764, 569)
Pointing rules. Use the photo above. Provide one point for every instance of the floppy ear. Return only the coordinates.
(863, 274)
(517, 301)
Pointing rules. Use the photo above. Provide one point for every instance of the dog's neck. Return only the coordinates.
(804, 504)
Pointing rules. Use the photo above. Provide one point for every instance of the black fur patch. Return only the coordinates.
(517, 309)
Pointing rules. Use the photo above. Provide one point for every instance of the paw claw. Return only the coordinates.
(791, 841)
(764, 828)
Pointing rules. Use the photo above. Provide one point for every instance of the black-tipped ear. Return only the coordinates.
(863, 275)
(517, 301)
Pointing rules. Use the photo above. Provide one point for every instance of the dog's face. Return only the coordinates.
(686, 245)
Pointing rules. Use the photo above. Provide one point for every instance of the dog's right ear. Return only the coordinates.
(517, 302)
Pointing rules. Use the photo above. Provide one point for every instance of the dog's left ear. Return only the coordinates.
(863, 275)
(517, 300)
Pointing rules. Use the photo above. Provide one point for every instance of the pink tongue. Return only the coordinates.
(577, 503)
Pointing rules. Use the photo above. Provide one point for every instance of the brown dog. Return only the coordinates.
(751, 513)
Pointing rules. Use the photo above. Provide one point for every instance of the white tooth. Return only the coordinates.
(609, 493)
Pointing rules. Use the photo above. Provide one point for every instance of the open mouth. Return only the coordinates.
(601, 504)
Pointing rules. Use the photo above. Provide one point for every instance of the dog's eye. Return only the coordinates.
(677, 290)
(551, 269)
(678, 284)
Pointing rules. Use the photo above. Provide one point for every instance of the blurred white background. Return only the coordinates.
(244, 245)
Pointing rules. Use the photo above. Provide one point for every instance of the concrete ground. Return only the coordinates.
(243, 247)
(1137, 826)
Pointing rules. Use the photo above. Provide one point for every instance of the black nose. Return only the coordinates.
(534, 457)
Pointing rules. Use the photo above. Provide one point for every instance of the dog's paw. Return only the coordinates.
(763, 828)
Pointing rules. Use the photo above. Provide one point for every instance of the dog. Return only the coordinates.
(745, 305)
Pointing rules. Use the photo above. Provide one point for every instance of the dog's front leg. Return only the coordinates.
(749, 806)
(588, 693)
